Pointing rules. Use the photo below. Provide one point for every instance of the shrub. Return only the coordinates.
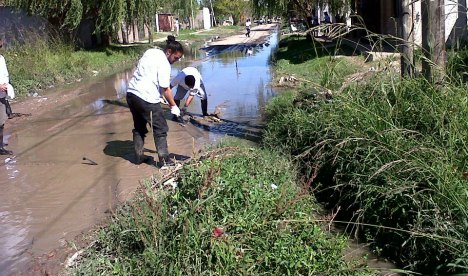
(237, 213)
(393, 152)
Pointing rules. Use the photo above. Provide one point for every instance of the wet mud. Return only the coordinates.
(73, 157)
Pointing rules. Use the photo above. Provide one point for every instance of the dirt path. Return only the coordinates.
(50, 194)
(258, 35)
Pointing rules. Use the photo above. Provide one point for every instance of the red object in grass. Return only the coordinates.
(465, 175)
(218, 232)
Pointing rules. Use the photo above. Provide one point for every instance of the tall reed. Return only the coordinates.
(392, 152)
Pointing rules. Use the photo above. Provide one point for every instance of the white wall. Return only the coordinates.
(455, 21)
(206, 19)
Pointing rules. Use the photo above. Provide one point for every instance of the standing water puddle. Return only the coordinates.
(51, 194)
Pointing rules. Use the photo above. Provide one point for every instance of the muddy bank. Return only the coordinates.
(52, 195)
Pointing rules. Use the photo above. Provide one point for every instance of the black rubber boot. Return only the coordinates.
(3, 151)
(138, 144)
(204, 107)
(163, 152)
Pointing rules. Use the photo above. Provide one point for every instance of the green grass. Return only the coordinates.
(391, 152)
(314, 62)
(266, 223)
(36, 66)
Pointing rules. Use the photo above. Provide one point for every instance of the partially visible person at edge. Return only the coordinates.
(149, 83)
(5, 90)
(190, 80)
(248, 23)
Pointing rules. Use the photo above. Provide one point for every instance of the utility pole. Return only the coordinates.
(407, 38)
(433, 39)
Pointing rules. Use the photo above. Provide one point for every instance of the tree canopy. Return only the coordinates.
(67, 14)
(300, 7)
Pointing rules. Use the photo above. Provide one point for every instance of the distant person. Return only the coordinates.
(326, 18)
(5, 90)
(149, 83)
(315, 21)
(177, 26)
(248, 23)
(190, 80)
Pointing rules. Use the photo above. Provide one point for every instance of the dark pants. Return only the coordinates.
(147, 113)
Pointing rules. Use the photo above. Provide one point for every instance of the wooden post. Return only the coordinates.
(407, 38)
(433, 39)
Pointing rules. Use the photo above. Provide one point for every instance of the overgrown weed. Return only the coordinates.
(392, 151)
(239, 212)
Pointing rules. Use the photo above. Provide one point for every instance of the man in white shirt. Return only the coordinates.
(5, 90)
(190, 80)
(248, 23)
(151, 81)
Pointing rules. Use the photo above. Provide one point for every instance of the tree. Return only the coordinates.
(433, 39)
(303, 8)
(66, 15)
(225, 8)
(407, 40)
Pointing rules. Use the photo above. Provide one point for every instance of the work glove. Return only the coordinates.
(175, 110)
(10, 91)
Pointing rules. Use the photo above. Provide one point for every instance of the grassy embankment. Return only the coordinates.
(36, 66)
(388, 153)
(239, 210)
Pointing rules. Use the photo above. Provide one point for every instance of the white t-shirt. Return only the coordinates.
(180, 80)
(247, 24)
(4, 78)
(152, 73)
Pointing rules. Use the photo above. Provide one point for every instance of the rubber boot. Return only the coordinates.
(138, 144)
(163, 152)
(3, 151)
(204, 107)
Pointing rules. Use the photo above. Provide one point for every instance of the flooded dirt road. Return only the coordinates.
(73, 157)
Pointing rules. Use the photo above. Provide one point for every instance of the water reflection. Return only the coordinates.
(236, 79)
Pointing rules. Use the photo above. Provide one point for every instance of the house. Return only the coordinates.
(381, 17)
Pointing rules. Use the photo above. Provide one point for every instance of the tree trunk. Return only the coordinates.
(124, 33)
(407, 38)
(213, 19)
(433, 39)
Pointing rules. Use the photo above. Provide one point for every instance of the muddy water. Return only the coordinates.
(50, 193)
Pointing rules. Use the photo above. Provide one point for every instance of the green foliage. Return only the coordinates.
(237, 9)
(457, 66)
(238, 213)
(68, 14)
(303, 8)
(314, 62)
(392, 152)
